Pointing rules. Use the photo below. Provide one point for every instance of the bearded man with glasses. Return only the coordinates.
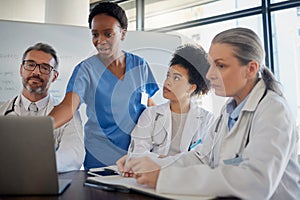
(38, 70)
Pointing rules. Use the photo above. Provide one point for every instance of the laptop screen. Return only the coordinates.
(27, 156)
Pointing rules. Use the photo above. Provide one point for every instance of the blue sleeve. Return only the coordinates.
(78, 82)
(151, 85)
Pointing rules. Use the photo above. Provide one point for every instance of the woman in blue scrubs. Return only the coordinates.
(116, 87)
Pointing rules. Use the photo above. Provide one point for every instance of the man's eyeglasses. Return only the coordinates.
(43, 67)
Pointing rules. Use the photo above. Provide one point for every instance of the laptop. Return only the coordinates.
(27, 157)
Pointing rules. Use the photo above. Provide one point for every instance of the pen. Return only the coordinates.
(118, 188)
(129, 153)
(103, 187)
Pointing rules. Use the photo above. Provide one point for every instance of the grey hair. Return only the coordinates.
(247, 47)
(44, 48)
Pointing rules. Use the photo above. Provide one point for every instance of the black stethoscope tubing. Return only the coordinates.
(12, 107)
(154, 144)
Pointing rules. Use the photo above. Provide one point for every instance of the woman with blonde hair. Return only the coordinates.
(252, 150)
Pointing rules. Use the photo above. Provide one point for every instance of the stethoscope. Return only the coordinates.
(12, 110)
(157, 144)
(215, 140)
(216, 137)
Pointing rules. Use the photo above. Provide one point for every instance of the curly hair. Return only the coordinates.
(195, 60)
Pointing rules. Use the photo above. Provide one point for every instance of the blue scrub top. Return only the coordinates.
(113, 105)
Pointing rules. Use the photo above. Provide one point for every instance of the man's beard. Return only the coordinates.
(39, 90)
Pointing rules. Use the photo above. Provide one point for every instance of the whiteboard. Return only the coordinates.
(71, 43)
(74, 44)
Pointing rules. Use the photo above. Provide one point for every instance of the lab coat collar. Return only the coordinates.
(52, 102)
(164, 118)
(253, 97)
(191, 125)
(42, 103)
(164, 109)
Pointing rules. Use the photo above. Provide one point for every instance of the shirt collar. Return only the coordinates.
(42, 103)
(233, 110)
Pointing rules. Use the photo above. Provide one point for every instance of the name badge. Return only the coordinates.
(144, 98)
(234, 161)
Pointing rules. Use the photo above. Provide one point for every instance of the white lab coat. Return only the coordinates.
(68, 138)
(154, 129)
(266, 168)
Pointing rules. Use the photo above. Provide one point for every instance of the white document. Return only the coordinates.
(126, 184)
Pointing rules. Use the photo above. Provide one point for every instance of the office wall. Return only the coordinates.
(66, 12)
(73, 44)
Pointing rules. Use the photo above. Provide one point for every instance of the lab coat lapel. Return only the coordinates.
(249, 107)
(164, 121)
(51, 104)
(191, 126)
(243, 124)
(17, 105)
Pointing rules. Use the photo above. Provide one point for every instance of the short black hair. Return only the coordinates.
(46, 48)
(195, 59)
(110, 9)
